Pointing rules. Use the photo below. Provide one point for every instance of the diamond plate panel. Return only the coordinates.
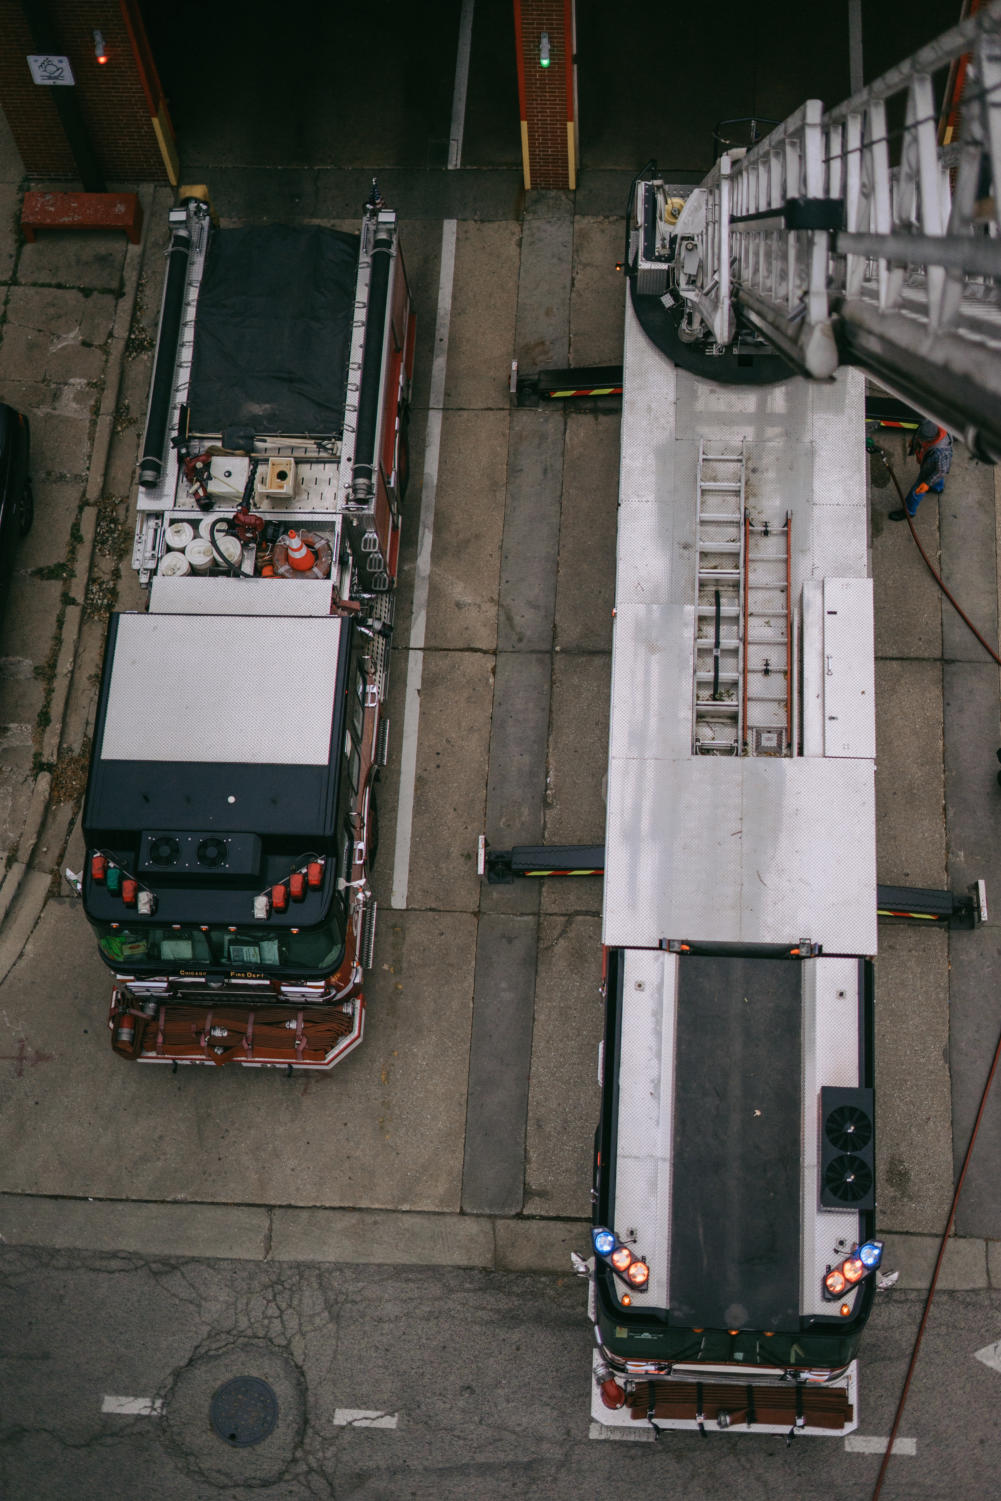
(655, 555)
(649, 410)
(840, 541)
(178, 691)
(749, 851)
(838, 427)
(646, 1113)
(651, 718)
(849, 669)
(830, 1056)
(242, 596)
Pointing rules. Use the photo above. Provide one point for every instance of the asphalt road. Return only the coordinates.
(416, 1383)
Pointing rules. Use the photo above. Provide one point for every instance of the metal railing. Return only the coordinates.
(845, 239)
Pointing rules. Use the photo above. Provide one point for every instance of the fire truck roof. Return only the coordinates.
(223, 721)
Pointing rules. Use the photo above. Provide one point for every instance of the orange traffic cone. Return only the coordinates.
(299, 554)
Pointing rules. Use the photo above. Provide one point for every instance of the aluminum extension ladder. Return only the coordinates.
(768, 667)
(742, 679)
(718, 699)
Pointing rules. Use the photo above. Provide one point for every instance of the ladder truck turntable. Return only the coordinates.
(230, 818)
(733, 1256)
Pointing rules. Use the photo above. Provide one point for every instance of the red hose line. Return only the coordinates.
(943, 1243)
(931, 568)
(938, 1267)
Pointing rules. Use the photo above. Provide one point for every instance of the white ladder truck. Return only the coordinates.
(733, 1241)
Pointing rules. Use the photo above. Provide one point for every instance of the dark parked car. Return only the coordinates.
(17, 506)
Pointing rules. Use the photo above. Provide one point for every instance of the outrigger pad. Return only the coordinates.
(273, 334)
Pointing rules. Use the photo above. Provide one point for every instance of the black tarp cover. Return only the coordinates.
(735, 1189)
(273, 331)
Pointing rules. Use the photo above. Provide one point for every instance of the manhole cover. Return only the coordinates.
(244, 1411)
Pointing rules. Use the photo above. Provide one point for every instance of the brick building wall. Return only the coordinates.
(546, 95)
(120, 102)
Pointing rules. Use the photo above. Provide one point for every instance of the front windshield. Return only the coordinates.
(245, 950)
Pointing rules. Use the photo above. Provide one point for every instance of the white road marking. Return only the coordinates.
(990, 1355)
(422, 573)
(461, 85)
(358, 1417)
(136, 1407)
(860, 1443)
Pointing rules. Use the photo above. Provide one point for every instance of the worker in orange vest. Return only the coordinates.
(931, 445)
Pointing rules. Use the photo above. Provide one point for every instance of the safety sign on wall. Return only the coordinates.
(48, 69)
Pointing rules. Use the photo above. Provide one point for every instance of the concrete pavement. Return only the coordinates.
(344, 1237)
(75, 316)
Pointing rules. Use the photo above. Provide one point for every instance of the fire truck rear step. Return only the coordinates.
(733, 1405)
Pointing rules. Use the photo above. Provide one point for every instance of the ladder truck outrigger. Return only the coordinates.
(230, 817)
(734, 1251)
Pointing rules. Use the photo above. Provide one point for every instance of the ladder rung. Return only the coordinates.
(719, 573)
(719, 484)
(704, 546)
(726, 458)
(725, 516)
(723, 677)
(726, 612)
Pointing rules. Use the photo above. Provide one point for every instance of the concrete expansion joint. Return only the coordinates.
(450, 651)
(291, 1233)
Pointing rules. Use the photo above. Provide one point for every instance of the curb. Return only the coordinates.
(25, 889)
(382, 1237)
(250, 1232)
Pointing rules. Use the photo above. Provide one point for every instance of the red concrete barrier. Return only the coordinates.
(45, 210)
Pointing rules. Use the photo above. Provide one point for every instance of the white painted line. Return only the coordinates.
(990, 1355)
(357, 1417)
(461, 85)
(134, 1407)
(422, 573)
(859, 1443)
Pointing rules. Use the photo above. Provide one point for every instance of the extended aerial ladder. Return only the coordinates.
(845, 238)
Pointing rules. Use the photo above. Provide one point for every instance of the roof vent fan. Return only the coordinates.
(163, 850)
(211, 852)
(847, 1167)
